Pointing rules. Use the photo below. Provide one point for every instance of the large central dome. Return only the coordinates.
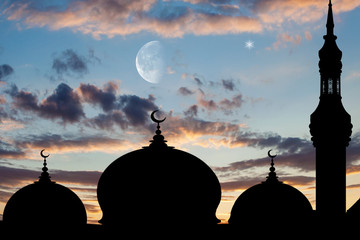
(158, 184)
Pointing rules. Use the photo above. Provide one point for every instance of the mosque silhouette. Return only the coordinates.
(192, 187)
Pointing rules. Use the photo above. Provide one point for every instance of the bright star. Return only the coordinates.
(249, 44)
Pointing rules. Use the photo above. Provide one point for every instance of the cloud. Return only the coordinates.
(197, 80)
(308, 35)
(287, 145)
(127, 111)
(292, 153)
(209, 101)
(353, 154)
(108, 121)
(12, 177)
(353, 75)
(192, 130)
(5, 71)
(244, 183)
(228, 105)
(23, 100)
(67, 105)
(9, 151)
(64, 103)
(303, 161)
(192, 111)
(209, 105)
(104, 97)
(123, 110)
(228, 84)
(69, 63)
(225, 105)
(89, 178)
(136, 108)
(111, 18)
(185, 91)
(284, 38)
(71, 143)
(171, 19)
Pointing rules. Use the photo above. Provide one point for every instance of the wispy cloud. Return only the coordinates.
(294, 153)
(71, 143)
(5, 71)
(71, 64)
(244, 183)
(169, 19)
(12, 177)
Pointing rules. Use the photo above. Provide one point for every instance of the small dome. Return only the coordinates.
(271, 199)
(45, 203)
(156, 185)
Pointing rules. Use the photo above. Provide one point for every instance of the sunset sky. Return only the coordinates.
(69, 84)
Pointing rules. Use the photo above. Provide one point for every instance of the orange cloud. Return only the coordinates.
(59, 144)
(111, 18)
(115, 17)
(8, 125)
(284, 38)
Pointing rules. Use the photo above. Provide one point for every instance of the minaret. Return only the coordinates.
(330, 127)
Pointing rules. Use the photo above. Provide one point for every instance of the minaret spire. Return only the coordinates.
(330, 21)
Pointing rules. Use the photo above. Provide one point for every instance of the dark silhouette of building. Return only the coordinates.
(158, 184)
(159, 187)
(330, 127)
(44, 205)
(272, 200)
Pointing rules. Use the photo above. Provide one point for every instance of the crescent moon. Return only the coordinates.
(150, 62)
(42, 154)
(271, 156)
(154, 119)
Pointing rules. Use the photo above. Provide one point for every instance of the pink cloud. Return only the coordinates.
(110, 18)
(285, 38)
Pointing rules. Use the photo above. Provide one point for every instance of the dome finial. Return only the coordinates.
(272, 174)
(158, 139)
(45, 177)
(158, 132)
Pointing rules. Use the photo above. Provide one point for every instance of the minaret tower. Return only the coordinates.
(330, 127)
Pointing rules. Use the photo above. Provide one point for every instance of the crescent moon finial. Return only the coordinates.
(272, 174)
(271, 156)
(158, 139)
(44, 177)
(42, 154)
(156, 120)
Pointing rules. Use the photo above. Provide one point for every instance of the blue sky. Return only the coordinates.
(69, 84)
